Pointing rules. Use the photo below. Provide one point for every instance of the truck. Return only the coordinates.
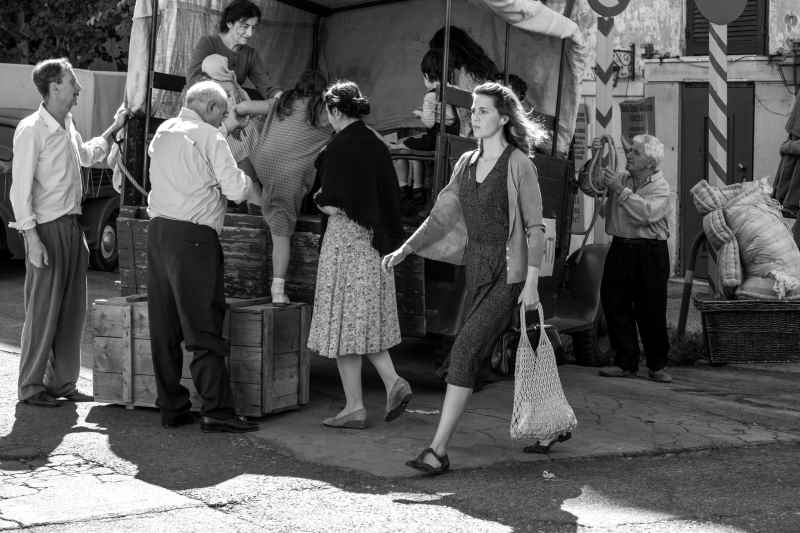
(102, 93)
(378, 44)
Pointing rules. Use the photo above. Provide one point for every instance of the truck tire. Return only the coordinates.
(105, 254)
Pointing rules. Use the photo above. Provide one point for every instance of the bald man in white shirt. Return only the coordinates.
(46, 194)
(193, 175)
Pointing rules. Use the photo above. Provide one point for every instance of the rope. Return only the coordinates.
(126, 173)
(605, 158)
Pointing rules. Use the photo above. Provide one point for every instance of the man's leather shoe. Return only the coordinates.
(237, 424)
(615, 372)
(42, 399)
(78, 396)
(183, 419)
(660, 376)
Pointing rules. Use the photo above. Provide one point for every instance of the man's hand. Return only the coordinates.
(613, 180)
(34, 249)
(120, 117)
(330, 210)
(235, 121)
(417, 113)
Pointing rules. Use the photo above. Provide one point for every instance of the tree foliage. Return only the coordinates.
(93, 34)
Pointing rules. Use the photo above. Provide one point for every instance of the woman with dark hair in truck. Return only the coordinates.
(296, 131)
(472, 66)
(355, 311)
(237, 25)
(488, 218)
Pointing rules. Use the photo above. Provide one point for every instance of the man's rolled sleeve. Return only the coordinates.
(646, 209)
(23, 167)
(92, 151)
(233, 182)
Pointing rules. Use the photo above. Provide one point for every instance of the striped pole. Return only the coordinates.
(718, 104)
(604, 62)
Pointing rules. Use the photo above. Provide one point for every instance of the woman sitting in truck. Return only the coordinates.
(236, 26)
(488, 218)
(295, 132)
(355, 311)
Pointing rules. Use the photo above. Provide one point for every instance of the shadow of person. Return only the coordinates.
(36, 432)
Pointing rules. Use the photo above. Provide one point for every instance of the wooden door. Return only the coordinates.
(694, 156)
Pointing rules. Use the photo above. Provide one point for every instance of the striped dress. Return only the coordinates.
(284, 163)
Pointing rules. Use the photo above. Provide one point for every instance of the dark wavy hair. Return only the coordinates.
(520, 130)
(236, 11)
(310, 85)
(345, 96)
(466, 53)
(431, 66)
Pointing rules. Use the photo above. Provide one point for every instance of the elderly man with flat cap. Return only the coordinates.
(193, 175)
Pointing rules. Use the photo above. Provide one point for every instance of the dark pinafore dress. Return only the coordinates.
(490, 301)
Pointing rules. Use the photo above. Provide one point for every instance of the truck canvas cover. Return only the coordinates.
(379, 47)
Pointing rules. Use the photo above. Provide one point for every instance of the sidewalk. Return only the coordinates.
(90, 462)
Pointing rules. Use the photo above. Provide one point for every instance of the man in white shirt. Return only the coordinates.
(46, 194)
(193, 175)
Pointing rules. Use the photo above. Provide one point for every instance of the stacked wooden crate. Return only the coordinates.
(269, 363)
(246, 246)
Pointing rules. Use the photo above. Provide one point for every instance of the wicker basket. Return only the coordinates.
(750, 331)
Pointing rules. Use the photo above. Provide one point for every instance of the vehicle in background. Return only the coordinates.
(100, 203)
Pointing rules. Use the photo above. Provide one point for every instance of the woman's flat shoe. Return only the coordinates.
(545, 448)
(399, 397)
(419, 463)
(354, 420)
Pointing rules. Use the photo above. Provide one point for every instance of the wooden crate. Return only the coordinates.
(259, 364)
(247, 248)
(268, 347)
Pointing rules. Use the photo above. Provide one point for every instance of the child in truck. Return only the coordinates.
(431, 117)
(244, 142)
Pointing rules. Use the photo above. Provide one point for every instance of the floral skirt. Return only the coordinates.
(355, 310)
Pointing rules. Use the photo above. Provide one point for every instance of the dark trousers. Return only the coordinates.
(55, 309)
(634, 294)
(186, 302)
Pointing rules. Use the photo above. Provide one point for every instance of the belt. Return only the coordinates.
(636, 241)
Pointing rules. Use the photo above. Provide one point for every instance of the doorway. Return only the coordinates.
(694, 156)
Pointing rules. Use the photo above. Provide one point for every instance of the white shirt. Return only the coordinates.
(46, 175)
(193, 173)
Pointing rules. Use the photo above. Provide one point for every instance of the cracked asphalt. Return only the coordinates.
(715, 451)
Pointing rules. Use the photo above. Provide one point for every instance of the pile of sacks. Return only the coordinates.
(755, 252)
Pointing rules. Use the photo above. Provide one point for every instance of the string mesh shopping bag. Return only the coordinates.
(541, 411)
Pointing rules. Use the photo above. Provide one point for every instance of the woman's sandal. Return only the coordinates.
(419, 463)
(545, 448)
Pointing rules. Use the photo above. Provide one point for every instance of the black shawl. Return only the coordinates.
(356, 175)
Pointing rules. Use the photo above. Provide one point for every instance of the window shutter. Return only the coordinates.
(746, 35)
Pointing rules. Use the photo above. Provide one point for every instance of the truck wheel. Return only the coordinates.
(591, 347)
(105, 255)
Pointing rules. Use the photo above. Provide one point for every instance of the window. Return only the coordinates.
(746, 35)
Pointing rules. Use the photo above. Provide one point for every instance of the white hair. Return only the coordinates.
(204, 91)
(653, 148)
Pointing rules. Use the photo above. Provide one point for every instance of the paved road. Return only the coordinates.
(93, 467)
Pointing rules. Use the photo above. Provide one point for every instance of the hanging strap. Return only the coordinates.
(523, 326)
